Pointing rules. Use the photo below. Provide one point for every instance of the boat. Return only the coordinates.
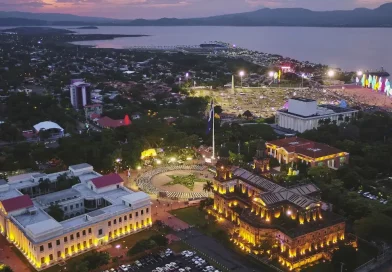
(379, 73)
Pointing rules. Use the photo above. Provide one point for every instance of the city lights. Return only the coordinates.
(331, 73)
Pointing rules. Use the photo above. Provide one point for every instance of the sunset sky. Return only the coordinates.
(131, 9)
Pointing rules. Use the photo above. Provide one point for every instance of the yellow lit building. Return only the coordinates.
(296, 149)
(296, 224)
(97, 211)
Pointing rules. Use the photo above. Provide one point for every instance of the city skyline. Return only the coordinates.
(149, 9)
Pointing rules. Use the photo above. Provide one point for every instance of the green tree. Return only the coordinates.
(5, 268)
(346, 255)
(208, 186)
(160, 240)
(81, 266)
(247, 114)
(56, 212)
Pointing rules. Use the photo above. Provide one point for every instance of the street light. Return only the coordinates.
(331, 73)
(359, 73)
(271, 74)
(242, 73)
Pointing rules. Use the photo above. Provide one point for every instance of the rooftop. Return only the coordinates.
(80, 166)
(305, 147)
(17, 203)
(303, 99)
(322, 110)
(107, 180)
(292, 227)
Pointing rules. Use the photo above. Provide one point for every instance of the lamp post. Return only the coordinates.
(241, 73)
(359, 73)
(331, 73)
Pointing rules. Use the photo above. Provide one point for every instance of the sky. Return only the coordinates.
(132, 9)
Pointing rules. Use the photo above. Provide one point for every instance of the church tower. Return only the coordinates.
(223, 165)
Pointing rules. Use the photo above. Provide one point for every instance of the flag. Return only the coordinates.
(210, 118)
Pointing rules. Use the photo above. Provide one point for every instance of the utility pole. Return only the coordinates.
(341, 266)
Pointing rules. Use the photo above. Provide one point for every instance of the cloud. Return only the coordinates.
(23, 4)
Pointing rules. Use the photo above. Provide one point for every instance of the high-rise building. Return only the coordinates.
(80, 93)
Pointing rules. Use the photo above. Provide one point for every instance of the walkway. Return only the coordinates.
(9, 257)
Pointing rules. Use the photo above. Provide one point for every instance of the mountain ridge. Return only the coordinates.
(359, 17)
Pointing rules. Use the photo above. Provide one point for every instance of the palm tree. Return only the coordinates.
(208, 186)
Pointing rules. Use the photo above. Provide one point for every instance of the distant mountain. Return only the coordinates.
(360, 17)
(52, 17)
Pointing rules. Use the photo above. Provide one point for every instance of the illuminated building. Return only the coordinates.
(295, 149)
(80, 93)
(299, 227)
(304, 114)
(97, 211)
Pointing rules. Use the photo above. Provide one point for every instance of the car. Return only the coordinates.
(123, 268)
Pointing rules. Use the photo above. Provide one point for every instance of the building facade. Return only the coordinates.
(296, 149)
(97, 211)
(291, 225)
(80, 93)
(304, 114)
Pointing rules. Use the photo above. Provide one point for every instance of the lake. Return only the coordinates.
(348, 48)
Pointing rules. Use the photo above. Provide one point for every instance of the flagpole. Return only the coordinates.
(213, 129)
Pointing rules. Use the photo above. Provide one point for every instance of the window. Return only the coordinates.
(71, 207)
(77, 235)
(72, 248)
(42, 260)
(81, 204)
(137, 214)
(120, 230)
(65, 208)
(84, 244)
(41, 248)
(109, 223)
(110, 234)
(49, 245)
(142, 222)
(65, 239)
(342, 159)
(90, 241)
(66, 250)
(100, 232)
(115, 221)
(77, 205)
(89, 230)
(125, 218)
(57, 242)
(84, 232)
(78, 246)
(58, 254)
(130, 216)
(142, 212)
(130, 226)
(126, 228)
(72, 237)
(51, 257)
(118, 186)
(320, 164)
(137, 224)
(120, 220)
(147, 210)
(115, 232)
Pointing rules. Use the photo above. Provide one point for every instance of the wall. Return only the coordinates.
(41, 259)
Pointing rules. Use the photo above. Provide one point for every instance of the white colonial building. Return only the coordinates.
(97, 211)
(304, 114)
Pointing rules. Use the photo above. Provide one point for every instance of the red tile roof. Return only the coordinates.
(108, 122)
(305, 147)
(17, 203)
(110, 179)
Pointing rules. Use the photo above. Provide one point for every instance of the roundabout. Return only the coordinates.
(176, 182)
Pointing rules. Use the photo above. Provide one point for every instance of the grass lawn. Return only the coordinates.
(193, 216)
(69, 263)
(178, 246)
(132, 239)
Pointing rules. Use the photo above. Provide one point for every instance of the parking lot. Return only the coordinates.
(166, 261)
